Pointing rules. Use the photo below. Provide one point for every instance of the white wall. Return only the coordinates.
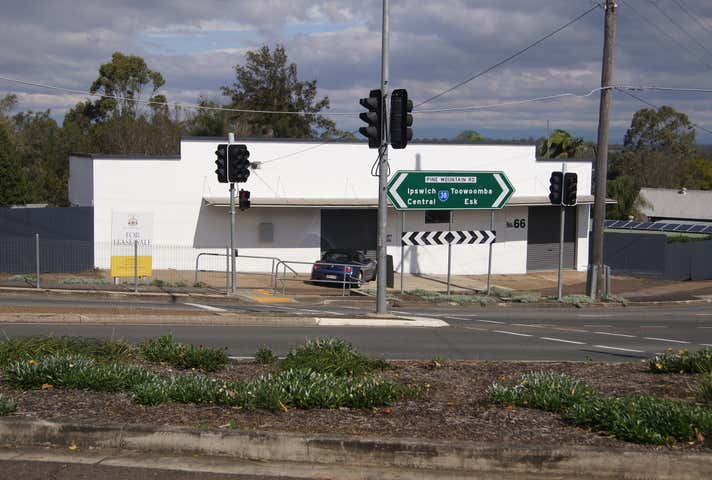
(582, 230)
(173, 190)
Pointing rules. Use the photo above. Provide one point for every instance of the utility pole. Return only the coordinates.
(233, 273)
(595, 278)
(381, 305)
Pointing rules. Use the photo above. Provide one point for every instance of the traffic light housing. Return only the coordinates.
(244, 199)
(401, 119)
(238, 163)
(374, 118)
(556, 188)
(221, 163)
(570, 188)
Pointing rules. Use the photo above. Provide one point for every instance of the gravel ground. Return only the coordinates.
(454, 406)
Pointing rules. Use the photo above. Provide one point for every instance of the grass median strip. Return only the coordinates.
(637, 418)
(326, 373)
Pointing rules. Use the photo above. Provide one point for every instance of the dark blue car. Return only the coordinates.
(350, 266)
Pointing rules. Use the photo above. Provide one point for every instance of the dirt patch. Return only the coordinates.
(453, 406)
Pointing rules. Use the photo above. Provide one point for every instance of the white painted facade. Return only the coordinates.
(175, 190)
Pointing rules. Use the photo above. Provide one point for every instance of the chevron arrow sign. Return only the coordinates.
(447, 190)
(466, 237)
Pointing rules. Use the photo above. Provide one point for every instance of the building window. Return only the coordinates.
(266, 232)
(437, 216)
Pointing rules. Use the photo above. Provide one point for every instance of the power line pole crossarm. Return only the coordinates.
(595, 285)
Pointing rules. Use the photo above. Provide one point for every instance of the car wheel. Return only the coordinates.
(359, 278)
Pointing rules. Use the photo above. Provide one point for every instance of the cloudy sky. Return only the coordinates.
(434, 45)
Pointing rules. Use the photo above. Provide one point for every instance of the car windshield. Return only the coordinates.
(336, 257)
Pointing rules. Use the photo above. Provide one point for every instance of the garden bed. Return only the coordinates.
(453, 404)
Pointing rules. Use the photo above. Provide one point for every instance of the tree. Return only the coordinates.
(469, 136)
(699, 175)
(657, 148)
(14, 184)
(628, 198)
(268, 82)
(560, 144)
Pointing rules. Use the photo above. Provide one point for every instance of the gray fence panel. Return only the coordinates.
(678, 261)
(635, 253)
(701, 265)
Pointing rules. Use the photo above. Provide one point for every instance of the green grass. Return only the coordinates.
(181, 355)
(682, 361)
(641, 419)
(7, 405)
(265, 355)
(331, 355)
(35, 347)
(704, 389)
(302, 388)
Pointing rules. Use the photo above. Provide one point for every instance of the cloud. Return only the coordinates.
(434, 45)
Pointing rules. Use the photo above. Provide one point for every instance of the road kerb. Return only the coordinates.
(565, 462)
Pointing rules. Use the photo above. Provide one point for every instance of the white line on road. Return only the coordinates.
(704, 314)
(619, 349)
(596, 315)
(475, 328)
(615, 334)
(380, 322)
(513, 333)
(306, 310)
(527, 325)
(564, 329)
(653, 326)
(666, 340)
(206, 307)
(562, 340)
(490, 321)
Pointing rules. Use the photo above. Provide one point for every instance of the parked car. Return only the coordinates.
(349, 266)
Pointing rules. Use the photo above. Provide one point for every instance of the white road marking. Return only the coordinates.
(306, 310)
(490, 321)
(564, 329)
(380, 322)
(562, 340)
(706, 344)
(704, 314)
(594, 315)
(475, 328)
(615, 334)
(527, 325)
(620, 349)
(513, 333)
(206, 307)
(666, 340)
(653, 326)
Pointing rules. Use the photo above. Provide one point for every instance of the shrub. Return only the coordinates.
(200, 285)
(704, 389)
(644, 419)
(265, 355)
(75, 371)
(682, 361)
(7, 405)
(180, 355)
(576, 300)
(331, 355)
(35, 347)
(551, 391)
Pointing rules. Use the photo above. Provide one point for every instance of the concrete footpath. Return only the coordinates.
(346, 457)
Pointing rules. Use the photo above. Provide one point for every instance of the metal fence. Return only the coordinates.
(36, 262)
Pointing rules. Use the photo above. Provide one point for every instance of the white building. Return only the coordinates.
(309, 196)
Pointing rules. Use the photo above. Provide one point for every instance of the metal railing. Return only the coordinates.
(346, 281)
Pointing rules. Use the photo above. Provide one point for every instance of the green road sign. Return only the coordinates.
(444, 190)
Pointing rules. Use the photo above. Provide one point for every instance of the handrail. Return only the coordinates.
(197, 260)
(343, 281)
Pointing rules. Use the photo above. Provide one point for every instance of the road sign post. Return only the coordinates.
(446, 190)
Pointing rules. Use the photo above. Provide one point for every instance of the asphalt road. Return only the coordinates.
(610, 334)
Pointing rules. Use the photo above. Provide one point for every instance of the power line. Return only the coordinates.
(692, 16)
(674, 22)
(177, 104)
(642, 100)
(511, 57)
(664, 32)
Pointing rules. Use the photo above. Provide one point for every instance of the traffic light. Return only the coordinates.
(570, 187)
(244, 199)
(401, 119)
(238, 163)
(555, 188)
(374, 118)
(221, 163)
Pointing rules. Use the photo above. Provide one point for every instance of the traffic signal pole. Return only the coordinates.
(233, 272)
(560, 285)
(381, 304)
